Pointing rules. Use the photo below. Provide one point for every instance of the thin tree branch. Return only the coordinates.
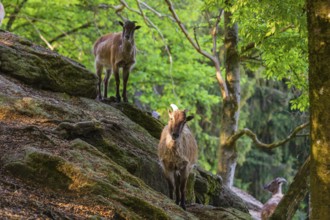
(185, 32)
(40, 35)
(32, 20)
(118, 9)
(13, 15)
(160, 15)
(123, 2)
(222, 84)
(260, 144)
(195, 36)
(74, 30)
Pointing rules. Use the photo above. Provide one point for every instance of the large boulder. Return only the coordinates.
(43, 68)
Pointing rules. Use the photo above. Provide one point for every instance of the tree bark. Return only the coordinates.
(297, 192)
(319, 92)
(227, 152)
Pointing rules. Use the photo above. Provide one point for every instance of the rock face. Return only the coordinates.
(65, 156)
(43, 68)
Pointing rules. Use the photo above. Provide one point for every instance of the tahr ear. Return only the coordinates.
(121, 23)
(189, 117)
(137, 27)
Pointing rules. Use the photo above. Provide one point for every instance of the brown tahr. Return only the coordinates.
(112, 52)
(177, 152)
(275, 187)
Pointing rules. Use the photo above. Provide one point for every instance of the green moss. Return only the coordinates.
(152, 125)
(113, 151)
(190, 192)
(81, 145)
(41, 167)
(127, 206)
(144, 209)
(49, 170)
(89, 157)
(201, 188)
(43, 68)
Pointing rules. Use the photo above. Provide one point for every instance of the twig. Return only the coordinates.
(160, 15)
(195, 36)
(74, 30)
(39, 33)
(260, 144)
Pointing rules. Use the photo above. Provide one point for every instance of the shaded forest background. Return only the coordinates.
(273, 51)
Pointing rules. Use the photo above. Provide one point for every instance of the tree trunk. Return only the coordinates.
(297, 192)
(319, 92)
(227, 152)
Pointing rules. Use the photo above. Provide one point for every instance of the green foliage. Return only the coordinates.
(278, 30)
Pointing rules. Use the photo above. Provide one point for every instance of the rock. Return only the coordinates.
(252, 203)
(151, 124)
(41, 167)
(117, 186)
(43, 68)
(205, 212)
(57, 147)
(209, 190)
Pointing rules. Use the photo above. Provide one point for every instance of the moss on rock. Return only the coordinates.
(43, 68)
(142, 118)
(210, 190)
(204, 212)
(46, 169)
